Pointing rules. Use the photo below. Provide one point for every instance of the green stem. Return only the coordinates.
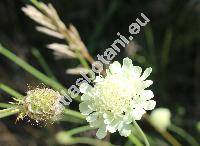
(66, 137)
(79, 130)
(90, 141)
(36, 3)
(43, 63)
(72, 120)
(82, 59)
(11, 91)
(8, 112)
(128, 143)
(172, 140)
(6, 105)
(29, 68)
(32, 70)
(74, 114)
(134, 140)
(141, 132)
(184, 134)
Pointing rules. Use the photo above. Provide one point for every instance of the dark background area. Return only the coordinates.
(169, 43)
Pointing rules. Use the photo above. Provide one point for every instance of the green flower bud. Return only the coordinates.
(42, 104)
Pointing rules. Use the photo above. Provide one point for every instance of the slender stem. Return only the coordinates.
(84, 140)
(36, 3)
(128, 143)
(191, 140)
(165, 134)
(32, 70)
(72, 120)
(29, 68)
(141, 132)
(11, 91)
(43, 63)
(90, 141)
(79, 130)
(8, 112)
(6, 105)
(82, 60)
(74, 114)
(134, 140)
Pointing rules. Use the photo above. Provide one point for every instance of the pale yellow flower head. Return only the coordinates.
(117, 99)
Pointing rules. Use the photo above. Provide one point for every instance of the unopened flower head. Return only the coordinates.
(117, 99)
(160, 118)
(42, 104)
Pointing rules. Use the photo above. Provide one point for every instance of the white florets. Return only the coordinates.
(117, 99)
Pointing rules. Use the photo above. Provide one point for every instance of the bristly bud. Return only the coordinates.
(42, 104)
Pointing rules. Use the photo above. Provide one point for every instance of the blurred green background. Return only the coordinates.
(169, 43)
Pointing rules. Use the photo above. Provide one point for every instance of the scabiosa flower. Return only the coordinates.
(42, 104)
(117, 99)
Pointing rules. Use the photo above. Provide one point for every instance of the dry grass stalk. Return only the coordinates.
(51, 24)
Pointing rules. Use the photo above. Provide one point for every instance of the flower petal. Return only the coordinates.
(112, 127)
(92, 117)
(146, 94)
(107, 118)
(137, 71)
(115, 67)
(98, 79)
(147, 83)
(125, 130)
(85, 97)
(101, 132)
(84, 87)
(84, 109)
(127, 64)
(146, 73)
(127, 118)
(137, 113)
(97, 123)
(149, 105)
